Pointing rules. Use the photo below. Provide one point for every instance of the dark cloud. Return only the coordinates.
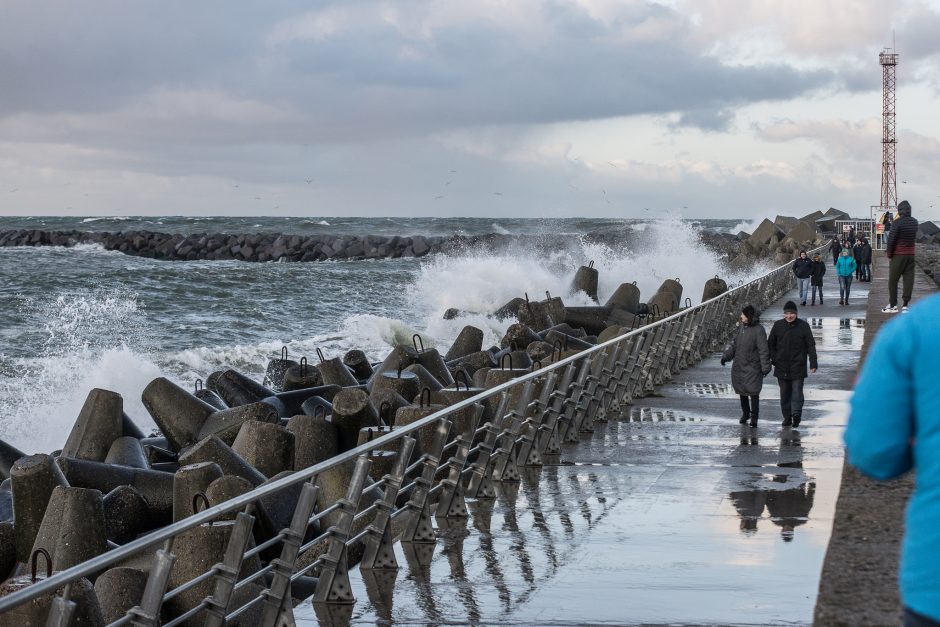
(368, 77)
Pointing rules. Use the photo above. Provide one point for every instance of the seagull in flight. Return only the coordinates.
(497, 193)
(309, 181)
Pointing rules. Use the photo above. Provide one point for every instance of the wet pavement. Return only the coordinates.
(670, 513)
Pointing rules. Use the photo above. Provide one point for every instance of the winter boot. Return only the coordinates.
(745, 411)
(787, 422)
(754, 415)
(796, 421)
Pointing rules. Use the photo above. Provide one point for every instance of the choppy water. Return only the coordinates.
(79, 318)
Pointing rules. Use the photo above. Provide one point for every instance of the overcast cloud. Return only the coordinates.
(596, 107)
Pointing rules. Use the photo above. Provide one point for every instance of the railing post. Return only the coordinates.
(547, 442)
(567, 431)
(451, 503)
(419, 529)
(277, 608)
(504, 468)
(529, 453)
(480, 485)
(379, 551)
(62, 609)
(333, 586)
(147, 614)
(227, 570)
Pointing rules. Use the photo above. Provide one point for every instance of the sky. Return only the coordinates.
(513, 108)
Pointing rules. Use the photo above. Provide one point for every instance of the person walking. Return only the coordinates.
(835, 247)
(803, 269)
(816, 279)
(900, 252)
(791, 343)
(845, 268)
(857, 256)
(894, 428)
(750, 357)
(866, 260)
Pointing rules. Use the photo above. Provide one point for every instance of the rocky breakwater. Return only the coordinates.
(782, 238)
(222, 247)
(927, 252)
(110, 483)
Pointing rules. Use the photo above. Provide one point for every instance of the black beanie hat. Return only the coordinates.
(789, 306)
(904, 207)
(750, 312)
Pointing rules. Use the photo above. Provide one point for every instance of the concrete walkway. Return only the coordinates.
(672, 513)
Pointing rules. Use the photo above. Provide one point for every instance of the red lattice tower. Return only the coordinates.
(889, 183)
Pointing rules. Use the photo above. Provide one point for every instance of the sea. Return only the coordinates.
(74, 319)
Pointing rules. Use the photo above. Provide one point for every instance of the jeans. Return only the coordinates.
(804, 288)
(845, 286)
(900, 266)
(817, 288)
(791, 397)
(866, 271)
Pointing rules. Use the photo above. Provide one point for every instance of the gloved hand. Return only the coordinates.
(723, 362)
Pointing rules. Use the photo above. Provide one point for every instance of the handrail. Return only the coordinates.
(115, 556)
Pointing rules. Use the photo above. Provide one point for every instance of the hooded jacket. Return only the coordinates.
(845, 265)
(866, 253)
(894, 426)
(750, 358)
(903, 234)
(790, 344)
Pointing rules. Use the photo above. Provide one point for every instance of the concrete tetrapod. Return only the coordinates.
(430, 359)
(266, 446)
(212, 449)
(301, 377)
(358, 363)
(291, 403)
(188, 481)
(315, 406)
(179, 415)
(226, 424)
(126, 514)
(475, 361)
(7, 549)
(155, 486)
(35, 613)
(74, 528)
(335, 372)
(210, 397)
(129, 428)
(352, 411)
(197, 550)
(425, 378)
(402, 382)
(626, 296)
(118, 590)
(127, 451)
(237, 389)
(518, 336)
(8, 456)
(469, 340)
(316, 439)
(32, 478)
(713, 287)
(98, 425)
(585, 280)
(277, 368)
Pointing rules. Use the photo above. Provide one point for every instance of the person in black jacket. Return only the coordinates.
(900, 252)
(816, 280)
(835, 249)
(866, 260)
(803, 269)
(857, 255)
(791, 342)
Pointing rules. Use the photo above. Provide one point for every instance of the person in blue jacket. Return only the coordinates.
(845, 270)
(894, 427)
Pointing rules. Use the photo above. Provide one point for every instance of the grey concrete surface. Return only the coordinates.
(671, 513)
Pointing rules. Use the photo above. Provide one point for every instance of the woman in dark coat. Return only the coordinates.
(816, 279)
(751, 357)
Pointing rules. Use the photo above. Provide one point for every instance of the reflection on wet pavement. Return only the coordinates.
(670, 513)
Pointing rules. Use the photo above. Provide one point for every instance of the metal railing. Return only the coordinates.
(508, 426)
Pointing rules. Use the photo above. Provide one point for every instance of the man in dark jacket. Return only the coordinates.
(857, 255)
(900, 252)
(835, 249)
(866, 260)
(791, 342)
(803, 269)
